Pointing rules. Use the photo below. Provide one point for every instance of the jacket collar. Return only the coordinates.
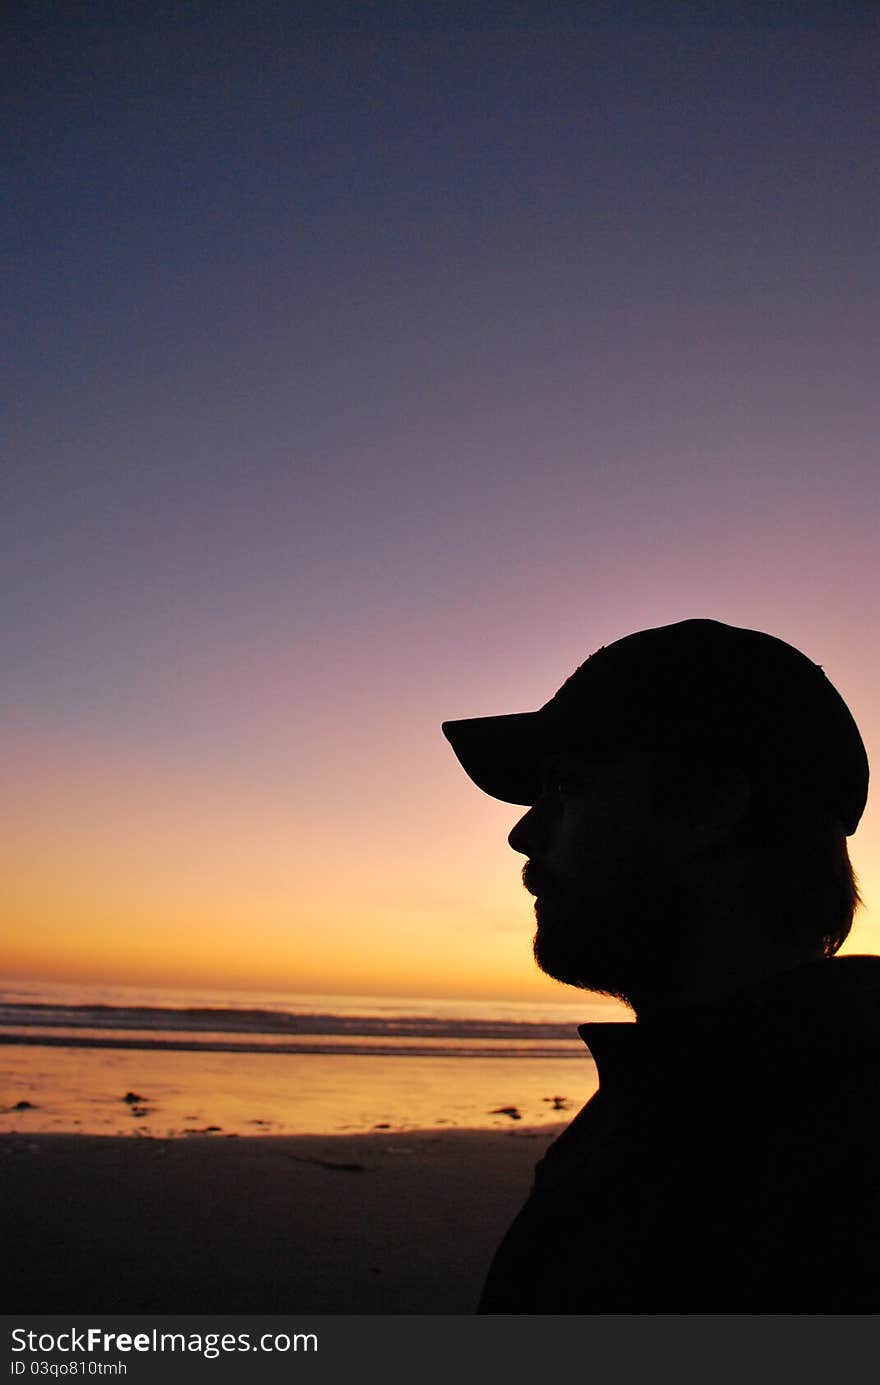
(792, 1004)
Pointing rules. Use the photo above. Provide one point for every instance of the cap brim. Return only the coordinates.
(502, 755)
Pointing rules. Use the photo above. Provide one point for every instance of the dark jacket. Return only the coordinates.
(729, 1163)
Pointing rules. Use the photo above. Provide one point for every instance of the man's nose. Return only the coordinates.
(525, 835)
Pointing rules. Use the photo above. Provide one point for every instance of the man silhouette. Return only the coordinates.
(690, 790)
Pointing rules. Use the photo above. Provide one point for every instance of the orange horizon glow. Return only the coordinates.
(123, 869)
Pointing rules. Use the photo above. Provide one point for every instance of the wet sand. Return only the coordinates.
(383, 1223)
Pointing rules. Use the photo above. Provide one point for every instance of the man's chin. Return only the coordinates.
(557, 958)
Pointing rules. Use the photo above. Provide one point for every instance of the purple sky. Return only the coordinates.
(369, 364)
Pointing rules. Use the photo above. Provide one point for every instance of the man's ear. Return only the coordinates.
(710, 803)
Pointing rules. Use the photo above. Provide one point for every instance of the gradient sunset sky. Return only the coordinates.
(369, 365)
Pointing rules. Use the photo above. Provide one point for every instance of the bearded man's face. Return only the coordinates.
(610, 907)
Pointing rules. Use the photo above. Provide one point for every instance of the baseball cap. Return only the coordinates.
(697, 685)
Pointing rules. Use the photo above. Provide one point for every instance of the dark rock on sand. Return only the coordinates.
(24, 1106)
(133, 1099)
(511, 1111)
(329, 1164)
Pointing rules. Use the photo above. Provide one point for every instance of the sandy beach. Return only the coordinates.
(387, 1223)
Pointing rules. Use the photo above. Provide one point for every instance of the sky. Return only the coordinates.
(369, 365)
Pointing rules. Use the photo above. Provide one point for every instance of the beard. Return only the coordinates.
(624, 935)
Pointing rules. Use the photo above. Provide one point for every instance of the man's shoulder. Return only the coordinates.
(826, 1012)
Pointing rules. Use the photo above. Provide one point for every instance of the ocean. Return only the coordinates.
(166, 1063)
